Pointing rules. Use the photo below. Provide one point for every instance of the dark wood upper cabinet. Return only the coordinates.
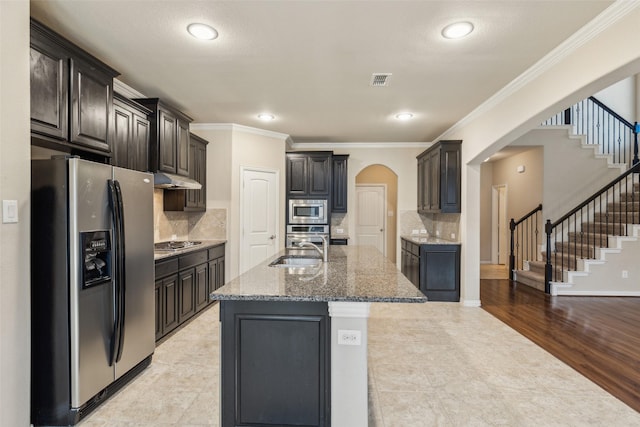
(439, 178)
(191, 200)
(339, 185)
(71, 95)
(309, 174)
(169, 138)
(130, 134)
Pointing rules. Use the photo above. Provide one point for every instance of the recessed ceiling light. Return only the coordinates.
(457, 30)
(266, 117)
(404, 116)
(202, 31)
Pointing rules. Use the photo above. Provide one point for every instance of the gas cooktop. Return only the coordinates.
(174, 245)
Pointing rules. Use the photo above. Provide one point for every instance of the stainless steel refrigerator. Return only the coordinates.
(92, 285)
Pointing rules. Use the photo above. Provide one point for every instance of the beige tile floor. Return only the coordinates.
(434, 364)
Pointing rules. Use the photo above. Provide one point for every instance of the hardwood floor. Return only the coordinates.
(597, 336)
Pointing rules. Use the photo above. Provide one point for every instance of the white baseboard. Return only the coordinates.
(471, 303)
(599, 293)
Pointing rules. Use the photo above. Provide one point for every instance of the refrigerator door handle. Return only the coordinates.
(122, 283)
(115, 203)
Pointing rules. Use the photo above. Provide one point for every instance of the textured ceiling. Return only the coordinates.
(310, 62)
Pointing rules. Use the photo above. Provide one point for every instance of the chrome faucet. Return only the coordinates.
(322, 251)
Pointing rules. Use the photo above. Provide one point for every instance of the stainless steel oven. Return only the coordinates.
(305, 211)
(316, 234)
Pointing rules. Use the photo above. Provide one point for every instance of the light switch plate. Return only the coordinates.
(9, 211)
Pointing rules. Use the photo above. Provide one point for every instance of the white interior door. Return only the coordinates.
(370, 216)
(259, 217)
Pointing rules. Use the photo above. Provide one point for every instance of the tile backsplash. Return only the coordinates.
(211, 224)
(445, 226)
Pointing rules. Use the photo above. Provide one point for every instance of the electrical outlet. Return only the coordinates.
(453, 236)
(414, 231)
(349, 337)
(340, 230)
(625, 274)
(423, 231)
(438, 233)
(174, 237)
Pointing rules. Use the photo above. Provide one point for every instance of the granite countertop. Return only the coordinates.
(158, 255)
(428, 240)
(353, 273)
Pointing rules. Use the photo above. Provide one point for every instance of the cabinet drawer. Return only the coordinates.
(192, 259)
(166, 267)
(216, 252)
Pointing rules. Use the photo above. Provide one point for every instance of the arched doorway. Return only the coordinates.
(370, 182)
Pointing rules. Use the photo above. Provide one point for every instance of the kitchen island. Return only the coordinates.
(294, 340)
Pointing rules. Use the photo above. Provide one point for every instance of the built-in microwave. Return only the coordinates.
(305, 211)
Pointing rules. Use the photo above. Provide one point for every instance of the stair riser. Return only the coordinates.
(630, 197)
(617, 218)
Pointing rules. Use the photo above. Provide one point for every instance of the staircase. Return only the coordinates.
(587, 257)
(586, 254)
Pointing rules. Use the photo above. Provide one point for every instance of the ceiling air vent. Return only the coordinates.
(380, 79)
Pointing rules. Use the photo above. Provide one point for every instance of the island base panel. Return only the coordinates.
(275, 360)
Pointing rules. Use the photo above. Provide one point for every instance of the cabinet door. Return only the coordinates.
(201, 175)
(197, 199)
(158, 297)
(450, 178)
(167, 142)
(423, 183)
(296, 175)
(49, 73)
(440, 272)
(122, 136)
(201, 287)
(192, 195)
(182, 148)
(186, 294)
(91, 104)
(434, 181)
(169, 303)
(140, 143)
(339, 185)
(319, 175)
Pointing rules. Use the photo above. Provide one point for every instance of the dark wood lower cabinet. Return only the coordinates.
(187, 294)
(434, 269)
(183, 285)
(275, 365)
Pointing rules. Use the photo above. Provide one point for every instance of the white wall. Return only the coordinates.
(15, 183)
(572, 72)
(621, 98)
(230, 148)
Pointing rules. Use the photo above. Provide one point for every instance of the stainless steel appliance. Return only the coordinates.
(92, 285)
(305, 211)
(317, 234)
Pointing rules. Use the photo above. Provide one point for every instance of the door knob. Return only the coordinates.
(272, 237)
(381, 229)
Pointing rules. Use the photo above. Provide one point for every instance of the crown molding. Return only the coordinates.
(126, 90)
(239, 128)
(603, 21)
(338, 145)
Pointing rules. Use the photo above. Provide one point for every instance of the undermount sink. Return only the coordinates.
(296, 261)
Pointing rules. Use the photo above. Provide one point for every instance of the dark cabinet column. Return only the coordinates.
(319, 175)
(439, 178)
(340, 184)
(167, 123)
(183, 162)
(201, 287)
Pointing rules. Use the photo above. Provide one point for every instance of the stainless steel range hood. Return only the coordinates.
(169, 181)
